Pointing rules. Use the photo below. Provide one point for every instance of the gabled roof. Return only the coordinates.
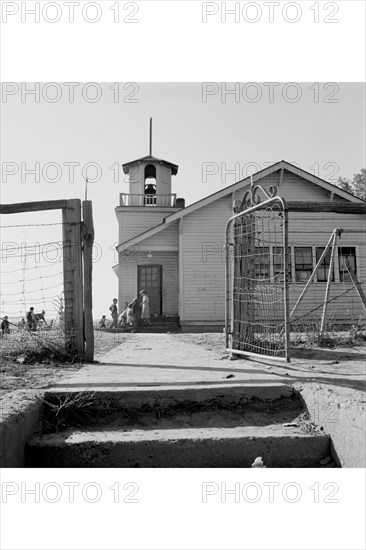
(257, 176)
(239, 185)
(150, 158)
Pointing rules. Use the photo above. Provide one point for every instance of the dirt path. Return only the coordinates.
(190, 358)
(332, 381)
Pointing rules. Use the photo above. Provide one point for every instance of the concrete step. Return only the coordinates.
(159, 324)
(207, 426)
(65, 407)
(159, 328)
(171, 319)
(238, 447)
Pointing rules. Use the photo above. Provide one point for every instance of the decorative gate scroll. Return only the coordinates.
(257, 267)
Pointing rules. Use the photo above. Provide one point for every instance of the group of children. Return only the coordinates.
(33, 321)
(130, 316)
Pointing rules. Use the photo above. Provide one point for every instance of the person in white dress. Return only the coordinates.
(145, 309)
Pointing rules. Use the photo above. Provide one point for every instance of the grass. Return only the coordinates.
(39, 359)
(333, 336)
(43, 346)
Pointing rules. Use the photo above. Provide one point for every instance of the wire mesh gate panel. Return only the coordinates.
(257, 263)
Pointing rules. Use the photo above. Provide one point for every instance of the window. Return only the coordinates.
(150, 185)
(323, 269)
(278, 263)
(303, 263)
(150, 172)
(261, 262)
(346, 253)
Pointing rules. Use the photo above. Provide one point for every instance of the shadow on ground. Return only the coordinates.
(285, 373)
(327, 355)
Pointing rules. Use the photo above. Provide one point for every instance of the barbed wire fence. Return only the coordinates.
(46, 283)
(31, 276)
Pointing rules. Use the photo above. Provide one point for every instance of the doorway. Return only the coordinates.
(150, 279)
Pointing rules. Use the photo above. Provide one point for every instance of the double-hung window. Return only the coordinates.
(346, 253)
(323, 269)
(278, 263)
(303, 263)
(261, 262)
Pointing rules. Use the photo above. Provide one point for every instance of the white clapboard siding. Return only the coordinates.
(204, 257)
(166, 238)
(295, 188)
(204, 262)
(128, 278)
(133, 221)
(340, 308)
(312, 229)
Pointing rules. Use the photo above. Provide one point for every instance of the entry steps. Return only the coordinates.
(159, 324)
(223, 426)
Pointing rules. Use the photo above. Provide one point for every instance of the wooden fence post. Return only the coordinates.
(88, 240)
(73, 282)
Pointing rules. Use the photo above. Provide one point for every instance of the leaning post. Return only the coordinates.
(356, 282)
(88, 240)
(337, 232)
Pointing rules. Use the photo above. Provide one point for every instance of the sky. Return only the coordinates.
(216, 133)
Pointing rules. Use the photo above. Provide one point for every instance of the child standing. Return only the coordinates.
(114, 313)
(145, 309)
(31, 319)
(5, 325)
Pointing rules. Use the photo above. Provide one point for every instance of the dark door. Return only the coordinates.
(149, 279)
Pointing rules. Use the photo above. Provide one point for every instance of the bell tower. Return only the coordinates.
(148, 247)
(150, 181)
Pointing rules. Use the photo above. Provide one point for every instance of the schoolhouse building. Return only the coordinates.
(176, 252)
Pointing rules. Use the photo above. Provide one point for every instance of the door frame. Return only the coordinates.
(160, 268)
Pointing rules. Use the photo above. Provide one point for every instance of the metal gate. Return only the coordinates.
(257, 275)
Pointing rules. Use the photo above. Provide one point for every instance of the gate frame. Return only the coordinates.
(78, 237)
(253, 203)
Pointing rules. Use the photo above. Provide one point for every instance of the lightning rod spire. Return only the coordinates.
(150, 148)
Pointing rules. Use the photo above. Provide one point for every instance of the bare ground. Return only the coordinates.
(343, 367)
(15, 375)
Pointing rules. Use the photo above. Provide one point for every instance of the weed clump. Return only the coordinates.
(333, 336)
(27, 348)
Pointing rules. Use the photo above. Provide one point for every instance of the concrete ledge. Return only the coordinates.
(157, 407)
(19, 418)
(270, 391)
(191, 448)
